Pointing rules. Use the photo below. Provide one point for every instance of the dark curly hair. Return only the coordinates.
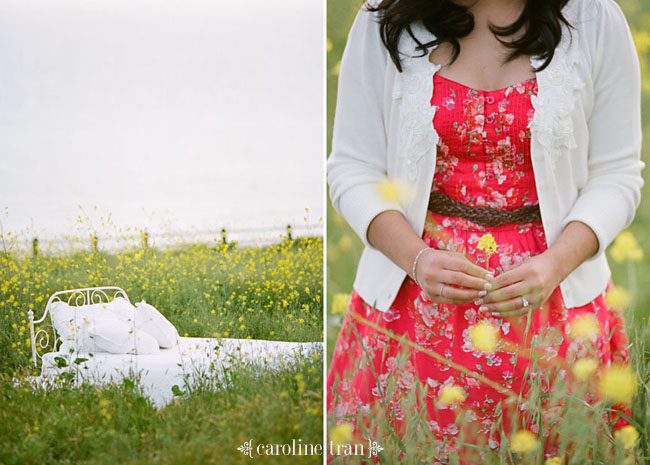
(541, 21)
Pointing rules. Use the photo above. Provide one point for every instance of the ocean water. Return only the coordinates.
(170, 116)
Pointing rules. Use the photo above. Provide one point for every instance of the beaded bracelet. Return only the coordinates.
(415, 264)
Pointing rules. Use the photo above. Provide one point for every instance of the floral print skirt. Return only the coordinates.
(374, 367)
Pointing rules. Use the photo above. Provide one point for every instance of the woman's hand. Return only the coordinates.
(536, 278)
(438, 271)
(533, 279)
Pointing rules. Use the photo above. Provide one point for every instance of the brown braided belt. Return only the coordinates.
(485, 216)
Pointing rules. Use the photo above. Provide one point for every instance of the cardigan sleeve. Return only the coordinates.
(357, 164)
(611, 195)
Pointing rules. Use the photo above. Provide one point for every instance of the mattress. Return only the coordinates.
(192, 361)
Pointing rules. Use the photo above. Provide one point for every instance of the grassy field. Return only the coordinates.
(272, 293)
(344, 248)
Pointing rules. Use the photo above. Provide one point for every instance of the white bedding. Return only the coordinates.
(179, 365)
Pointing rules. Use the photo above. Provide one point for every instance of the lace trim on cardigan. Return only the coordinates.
(552, 124)
(558, 85)
(414, 85)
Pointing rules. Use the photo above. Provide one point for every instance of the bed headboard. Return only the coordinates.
(40, 338)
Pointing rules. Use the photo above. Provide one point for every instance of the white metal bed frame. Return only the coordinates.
(77, 297)
(158, 376)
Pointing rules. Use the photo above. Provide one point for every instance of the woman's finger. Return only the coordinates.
(452, 295)
(461, 279)
(441, 299)
(455, 261)
(509, 277)
(515, 313)
(510, 305)
(509, 292)
(459, 296)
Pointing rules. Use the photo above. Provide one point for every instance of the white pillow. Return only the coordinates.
(72, 324)
(145, 317)
(114, 336)
(94, 328)
(121, 309)
(119, 338)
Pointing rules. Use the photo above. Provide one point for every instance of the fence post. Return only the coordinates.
(223, 236)
(93, 243)
(34, 247)
(289, 232)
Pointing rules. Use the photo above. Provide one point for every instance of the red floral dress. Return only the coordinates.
(483, 160)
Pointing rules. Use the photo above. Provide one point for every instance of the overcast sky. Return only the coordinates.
(165, 114)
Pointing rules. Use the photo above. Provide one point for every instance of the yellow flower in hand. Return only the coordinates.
(523, 442)
(626, 247)
(484, 337)
(487, 244)
(618, 384)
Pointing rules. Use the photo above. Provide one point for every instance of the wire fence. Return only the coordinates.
(144, 239)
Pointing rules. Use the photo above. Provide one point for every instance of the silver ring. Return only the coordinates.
(442, 288)
(524, 302)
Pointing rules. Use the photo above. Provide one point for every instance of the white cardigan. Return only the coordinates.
(585, 144)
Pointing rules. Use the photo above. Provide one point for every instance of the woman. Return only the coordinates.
(517, 118)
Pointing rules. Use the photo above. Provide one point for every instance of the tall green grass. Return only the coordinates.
(116, 424)
(272, 292)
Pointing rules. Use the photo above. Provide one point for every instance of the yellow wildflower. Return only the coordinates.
(618, 384)
(553, 461)
(487, 244)
(584, 368)
(337, 68)
(340, 304)
(393, 190)
(341, 434)
(523, 442)
(484, 337)
(626, 247)
(300, 382)
(585, 326)
(451, 394)
(329, 45)
(618, 297)
(627, 436)
(642, 41)
(345, 243)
